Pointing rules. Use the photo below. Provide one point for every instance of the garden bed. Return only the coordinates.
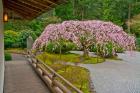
(15, 50)
(78, 76)
(74, 58)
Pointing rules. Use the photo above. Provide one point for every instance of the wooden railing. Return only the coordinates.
(54, 81)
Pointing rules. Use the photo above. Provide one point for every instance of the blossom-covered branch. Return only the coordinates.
(86, 33)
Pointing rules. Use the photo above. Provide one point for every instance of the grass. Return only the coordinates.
(15, 50)
(80, 80)
(138, 48)
(74, 58)
(114, 58)
(93, 60)
(8, 57)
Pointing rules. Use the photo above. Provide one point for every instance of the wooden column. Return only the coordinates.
(1, 48)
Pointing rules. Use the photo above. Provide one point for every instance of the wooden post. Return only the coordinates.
(1, 48)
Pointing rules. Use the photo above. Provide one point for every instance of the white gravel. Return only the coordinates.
(115, 76)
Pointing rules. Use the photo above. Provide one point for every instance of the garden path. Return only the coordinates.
(21, 78)
(114, 76)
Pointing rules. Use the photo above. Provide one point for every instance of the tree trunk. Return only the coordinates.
(129, 16)
(73, 3)
(60, 51)
(86, 52)
(97, 54)
(82, 14)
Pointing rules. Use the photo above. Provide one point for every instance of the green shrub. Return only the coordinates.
(8, 57)
(93, 48)
(11, 39)
(23, 35)
(56, 47)
(119, 50)
(50, 58)
(107, 50)
(135, 26)
(138, 44)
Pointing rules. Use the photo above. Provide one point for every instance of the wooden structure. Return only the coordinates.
(29, 9)
(53, 80)
(26, 9)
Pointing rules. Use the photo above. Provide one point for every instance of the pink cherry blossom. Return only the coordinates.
(93, 32)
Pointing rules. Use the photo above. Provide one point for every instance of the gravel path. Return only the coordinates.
(117, 76)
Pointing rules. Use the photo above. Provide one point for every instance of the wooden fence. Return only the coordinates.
(52, 79)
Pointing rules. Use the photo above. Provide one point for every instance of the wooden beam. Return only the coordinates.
(49, 1)
(31, 8)
(45, 3)
(16, 6)
(38, 3)
(20, 12)
(20, 2)
(32, 4)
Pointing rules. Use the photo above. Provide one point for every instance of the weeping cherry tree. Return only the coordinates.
(86, 33)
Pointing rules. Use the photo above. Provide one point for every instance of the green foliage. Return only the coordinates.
(135, 29)
(36, 26)
(80, 80)
(107, 50)
(135, 26)
(138, 43)
(107, 10)
(16, 25)
(74, 58)
(15, 50)
(23, 35)
(11, 39)
(39, 24)
(61, 46)
(17, 31)
(65, 11)
(93, 60)
(119, 49)
(15, 39)
(8, 57)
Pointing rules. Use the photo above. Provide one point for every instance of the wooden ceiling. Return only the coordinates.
(30, 9)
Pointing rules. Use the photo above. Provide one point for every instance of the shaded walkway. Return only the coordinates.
(20, 77)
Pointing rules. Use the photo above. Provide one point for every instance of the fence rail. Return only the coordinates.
(54, 81)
